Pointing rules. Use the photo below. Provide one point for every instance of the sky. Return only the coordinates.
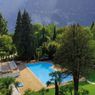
(61, 12)
(10, 8)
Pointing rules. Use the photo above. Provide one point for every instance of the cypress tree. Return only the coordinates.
(92, 25)
(17, 35)
(27, 43)
(18, 30)
(54, 33)
(23, 37)
(3, 25)
(43, 34)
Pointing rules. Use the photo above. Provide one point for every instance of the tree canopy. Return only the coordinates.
(3, 26)
(23, 37)
(75, 53)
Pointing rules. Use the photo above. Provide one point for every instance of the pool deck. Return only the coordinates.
(29, 80)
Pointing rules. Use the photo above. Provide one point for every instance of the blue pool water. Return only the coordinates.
(42, 71)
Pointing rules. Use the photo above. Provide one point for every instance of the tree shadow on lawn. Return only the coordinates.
(91, 76)
(83, 83)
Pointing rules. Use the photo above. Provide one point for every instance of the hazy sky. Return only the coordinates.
(46, 11)
(9, 6)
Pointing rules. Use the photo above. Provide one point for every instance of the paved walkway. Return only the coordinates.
(29, 80)
(15, 91)
(93, 83)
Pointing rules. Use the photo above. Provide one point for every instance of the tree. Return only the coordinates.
(52, 47)
(23, 37)
(18, 29)
(63, 90)
(27, 43)
(43, 37)
(44, 49)
(5, 85)
(92, 25)
(56, 78)
(37, 34)
(93, 31)
(6, 46)
(70, 88)
(54, 33)
(6, 82)
(50, 31)
(75, 53)
(3, 26)
(17, 38)
(38, 53)
(66, 90)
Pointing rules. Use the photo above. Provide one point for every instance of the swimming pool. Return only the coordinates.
(42, 71)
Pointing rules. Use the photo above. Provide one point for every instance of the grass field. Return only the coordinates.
(89, 87)
(84, 85)
(91, 76)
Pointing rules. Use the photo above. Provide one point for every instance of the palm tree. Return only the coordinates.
(38, 53)
(56, 79)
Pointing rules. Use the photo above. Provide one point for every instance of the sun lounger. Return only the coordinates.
(20, 84)
(13, 65)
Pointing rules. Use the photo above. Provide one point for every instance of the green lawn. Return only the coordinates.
(91, 76)
(89, 87)
(50, 92)
(84, 85)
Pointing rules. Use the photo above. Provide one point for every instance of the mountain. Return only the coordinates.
(61, 12)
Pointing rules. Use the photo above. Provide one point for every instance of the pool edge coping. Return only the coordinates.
(44, 85)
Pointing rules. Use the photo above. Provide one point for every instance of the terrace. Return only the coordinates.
(9, 69)
(25, 76)
(34, 80)
(28, 79)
